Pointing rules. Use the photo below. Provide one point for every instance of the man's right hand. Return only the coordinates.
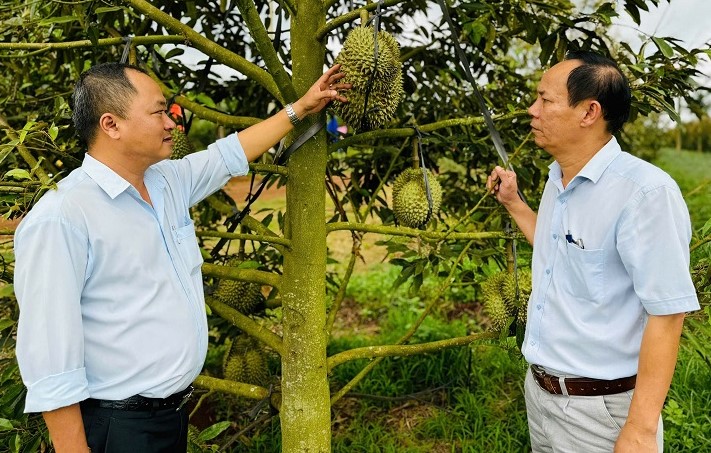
(502, 184)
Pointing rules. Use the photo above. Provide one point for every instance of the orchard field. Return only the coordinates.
(362, 333)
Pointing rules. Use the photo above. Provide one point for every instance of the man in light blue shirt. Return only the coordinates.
(108, 268)
(611, 280)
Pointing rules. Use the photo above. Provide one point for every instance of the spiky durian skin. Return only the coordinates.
(358, 63)
(181, 144)
(524, 292)
(410, 205)
(500, 301)
(245, 297)
(246, 361)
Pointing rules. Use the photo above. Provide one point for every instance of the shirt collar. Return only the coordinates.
(109, 181)
(595, 167)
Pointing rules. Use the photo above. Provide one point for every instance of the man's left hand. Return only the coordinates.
(634, 439)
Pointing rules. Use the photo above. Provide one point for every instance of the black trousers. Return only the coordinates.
(119, 431)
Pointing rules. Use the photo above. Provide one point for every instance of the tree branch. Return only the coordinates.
(202, 43)
(25, 153)
(269, 168)
(370, 352)
(408, 131)
(248, 275)
(412, 232)
(254, 392)
(246, 324)
(350, 16)
(249, 237)
(47, 46)
(266, 49)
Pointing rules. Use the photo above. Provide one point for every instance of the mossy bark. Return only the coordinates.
(305, 410)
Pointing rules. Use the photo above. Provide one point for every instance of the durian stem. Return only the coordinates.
(364, 15)
(370, 352)
(246, 324)
(254, 392)
(415, 152)
(412, 232)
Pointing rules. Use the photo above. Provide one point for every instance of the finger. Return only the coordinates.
(329, 73)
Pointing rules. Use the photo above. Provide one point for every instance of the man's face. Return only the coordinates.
(554, 123)
(145, 132)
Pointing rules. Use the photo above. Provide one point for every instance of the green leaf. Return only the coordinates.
(5, 323)
(57, 20)
(213, 431)
(248, 265)
(5, 425)
(664, 47)
(18, 173)
(53, 131)
(108, 9)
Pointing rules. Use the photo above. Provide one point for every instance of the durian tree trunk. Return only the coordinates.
(305, 409)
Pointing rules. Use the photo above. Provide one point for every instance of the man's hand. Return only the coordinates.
(502, 184)
(323, 91)
(634, 439)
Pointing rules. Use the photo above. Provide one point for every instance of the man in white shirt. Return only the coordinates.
(611, 280)
(112, 326)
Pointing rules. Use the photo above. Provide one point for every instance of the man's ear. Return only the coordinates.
(109, 126)
(592, 113)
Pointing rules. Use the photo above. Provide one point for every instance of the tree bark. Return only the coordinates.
(305, 410)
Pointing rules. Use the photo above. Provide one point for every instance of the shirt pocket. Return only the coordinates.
(585, 273)
(188, 247)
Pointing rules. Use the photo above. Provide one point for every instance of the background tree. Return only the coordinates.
(277, 49)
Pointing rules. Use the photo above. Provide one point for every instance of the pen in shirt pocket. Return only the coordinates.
(577, 242)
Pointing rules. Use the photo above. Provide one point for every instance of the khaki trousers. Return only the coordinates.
(576, 424)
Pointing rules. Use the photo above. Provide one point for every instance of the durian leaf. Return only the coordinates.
(213, 431)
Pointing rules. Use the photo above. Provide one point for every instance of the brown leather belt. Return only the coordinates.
(582, 386)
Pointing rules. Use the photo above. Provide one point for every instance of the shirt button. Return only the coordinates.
(555, 236)
(539, 306)
(533, 343)
(548, 271)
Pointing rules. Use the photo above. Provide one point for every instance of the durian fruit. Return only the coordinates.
(410, 204)
(494, 304)
(181, 144)
(524, 292)
(500, 301)
(359, 65)
(246, 361)
(245, 297)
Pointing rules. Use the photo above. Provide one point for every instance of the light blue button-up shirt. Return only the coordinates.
(109, 287)
(609, 249)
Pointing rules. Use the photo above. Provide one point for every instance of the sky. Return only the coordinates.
(689, 20)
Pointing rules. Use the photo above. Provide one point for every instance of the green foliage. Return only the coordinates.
(686, 415)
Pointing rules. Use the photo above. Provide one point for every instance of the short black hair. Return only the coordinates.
(104, 88)
(600, 78)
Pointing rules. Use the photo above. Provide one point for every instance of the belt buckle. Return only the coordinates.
(185, 399)
(548, 383)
